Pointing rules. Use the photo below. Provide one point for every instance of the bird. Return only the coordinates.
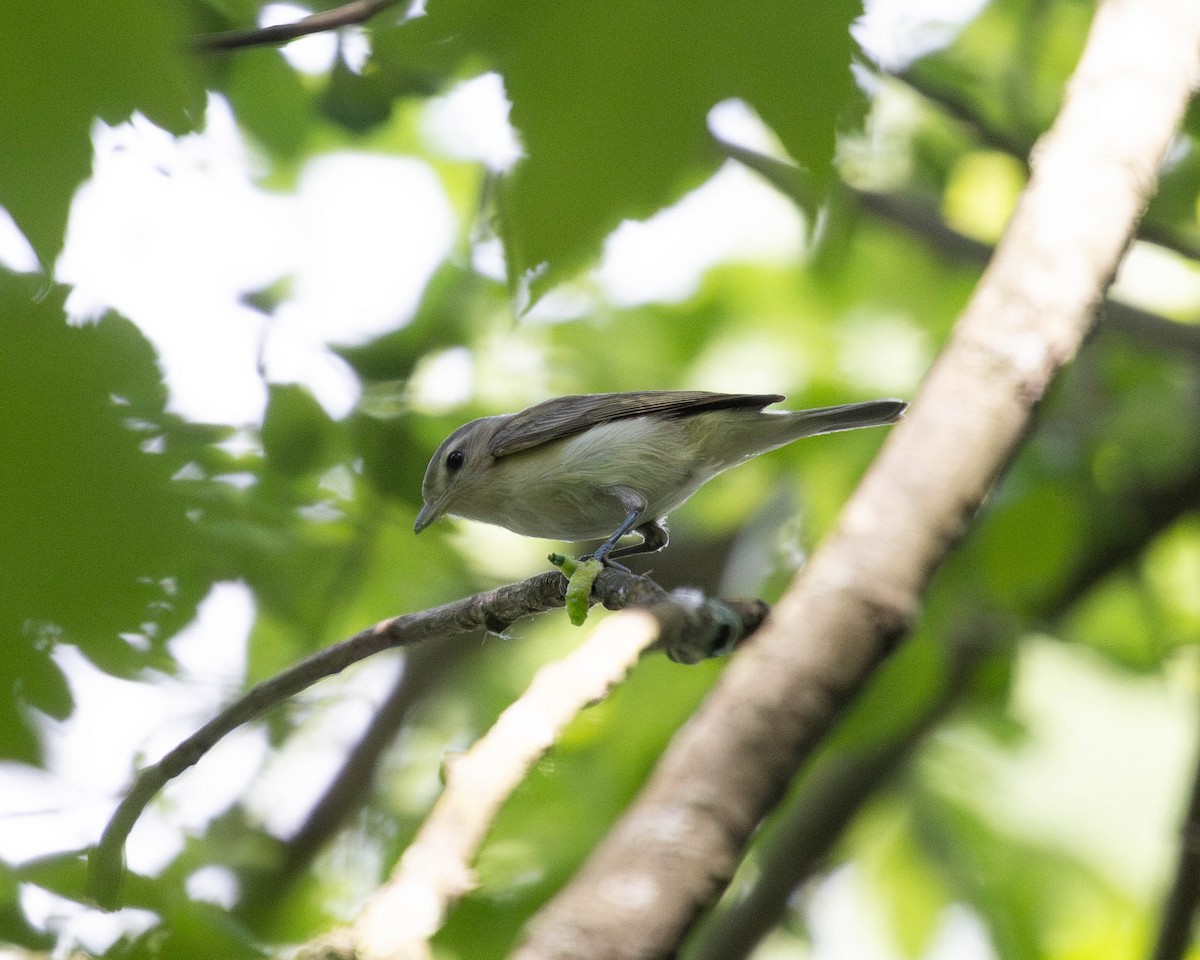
(603, 465)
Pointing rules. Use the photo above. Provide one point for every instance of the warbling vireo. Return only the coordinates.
(607, 464)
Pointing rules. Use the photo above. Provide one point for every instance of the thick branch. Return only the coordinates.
(831, 795)
(355, 12)
(829, 798)
(692, 625)
(1092, 176)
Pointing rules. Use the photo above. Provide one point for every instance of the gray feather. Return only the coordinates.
(566, 416)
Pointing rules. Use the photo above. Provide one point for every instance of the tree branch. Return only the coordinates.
(424, 667)
(435, 870)
(689, 626)
(831, 795)
(355, 12)
(1179, 911)
(1092, 176)
(921, 218)
(827, 801)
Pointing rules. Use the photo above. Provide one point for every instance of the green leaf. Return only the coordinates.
(97, 540)
(270, 101)
(910, 889)
(14, 928)
(297, 434)
(611, 100)
(1035, 900)
(69, 63)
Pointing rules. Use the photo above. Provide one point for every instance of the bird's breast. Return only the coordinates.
(564, 490)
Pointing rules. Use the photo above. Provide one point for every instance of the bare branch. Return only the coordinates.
(355, 12)
(1092, 176)
(691, 627)
(435, 871)
(424, 668)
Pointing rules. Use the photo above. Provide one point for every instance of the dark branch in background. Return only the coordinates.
(688, 626)
(1147, 328)
(349, 14)
(922, 218)
(960, 107)
(1179, 911)
(1019, 146)
(425, 667)
(1093, 173)
(1152, 510)
(828, 800)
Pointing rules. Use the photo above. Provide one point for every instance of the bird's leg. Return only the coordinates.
(654, 537)
(635, 504)
(601, 553)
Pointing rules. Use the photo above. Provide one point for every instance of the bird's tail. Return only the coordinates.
(746, 434)
(848, 416)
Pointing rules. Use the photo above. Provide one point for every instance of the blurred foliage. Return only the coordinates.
(69, 64)
(118, 516)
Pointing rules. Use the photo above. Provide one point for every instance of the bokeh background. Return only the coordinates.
(245, 294)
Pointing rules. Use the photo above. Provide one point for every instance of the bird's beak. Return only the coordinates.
(429, 513)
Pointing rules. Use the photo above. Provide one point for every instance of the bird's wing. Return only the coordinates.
(566, 416)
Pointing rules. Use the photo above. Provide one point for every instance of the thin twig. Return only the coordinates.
(435, 871)
(355, 12)
(494, 610)
(691, 628)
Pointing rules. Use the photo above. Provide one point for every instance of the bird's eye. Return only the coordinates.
(454, 459)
